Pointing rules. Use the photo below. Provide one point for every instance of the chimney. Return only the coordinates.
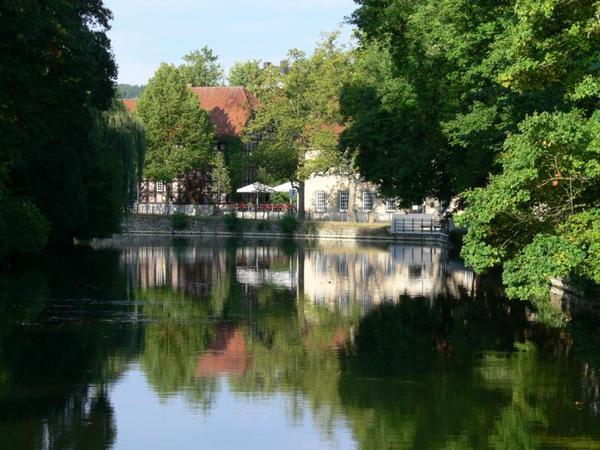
(284, 67)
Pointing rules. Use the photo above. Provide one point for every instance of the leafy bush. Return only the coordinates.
(23, 228)
(233, 223)
(288, 224)
(180, 221)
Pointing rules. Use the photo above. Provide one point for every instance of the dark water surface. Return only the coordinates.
(161, 344)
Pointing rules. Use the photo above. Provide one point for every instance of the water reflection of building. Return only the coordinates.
(190, 269)
(227, 355)
(333, 274)
(257, 266)
(336, 274)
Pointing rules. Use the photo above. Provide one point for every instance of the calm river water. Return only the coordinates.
(146, 343)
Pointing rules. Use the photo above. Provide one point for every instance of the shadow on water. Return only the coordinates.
(400, 346)
(57, 359)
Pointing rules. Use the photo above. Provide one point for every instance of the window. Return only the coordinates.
(249, 174)
(248, 147)
(343, 196)
(160, 186)
(367, 200)
(390, 204)
(321, 206)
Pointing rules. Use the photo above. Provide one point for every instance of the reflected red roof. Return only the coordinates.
(230, 107)
(228, 355)
(339, 338)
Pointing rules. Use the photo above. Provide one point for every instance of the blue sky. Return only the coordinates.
(147, 32)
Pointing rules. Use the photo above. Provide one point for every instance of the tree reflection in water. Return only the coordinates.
(355, 335)
(58, 357)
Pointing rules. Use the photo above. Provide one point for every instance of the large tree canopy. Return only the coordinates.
(246, 73)
(498, 97)
(179, 133)
(202, 68)
(56, 75)
(298, 116)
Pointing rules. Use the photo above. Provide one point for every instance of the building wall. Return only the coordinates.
(333, 187)
(324, 200)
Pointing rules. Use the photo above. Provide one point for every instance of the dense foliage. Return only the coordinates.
(245, 73)
(298, 115)
(220, 178)
(463, 90)
(179, 133)
(56, 169)
(201, 68)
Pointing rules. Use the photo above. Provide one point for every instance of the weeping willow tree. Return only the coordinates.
(130, 141)
(120, 146)
(115, 162)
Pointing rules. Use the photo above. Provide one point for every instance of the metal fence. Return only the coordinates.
(405, 224)
(357, 216)
(243, 211)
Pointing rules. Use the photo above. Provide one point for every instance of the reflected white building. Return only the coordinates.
(336, 274)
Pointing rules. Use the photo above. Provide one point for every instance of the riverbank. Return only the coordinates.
(218, 226)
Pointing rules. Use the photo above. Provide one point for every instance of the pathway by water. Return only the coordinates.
(153, 343)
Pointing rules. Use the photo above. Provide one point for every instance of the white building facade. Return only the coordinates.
(346, 197)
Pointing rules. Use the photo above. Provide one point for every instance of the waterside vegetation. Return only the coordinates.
(491, 107)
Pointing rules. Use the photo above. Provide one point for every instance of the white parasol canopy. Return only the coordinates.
(255, 188)
(284, 187)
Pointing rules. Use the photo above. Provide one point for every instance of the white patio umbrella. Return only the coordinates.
(284, 187)
(256, 188)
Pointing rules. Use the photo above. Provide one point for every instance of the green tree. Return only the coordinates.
(245, 73)
(221, 181)
(201, 68)
(473, 84)
(179, 133)
(125, 137)
(298, 115)
(540, 217)
(58, 75)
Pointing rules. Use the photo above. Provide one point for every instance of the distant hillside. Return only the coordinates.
(129, 91)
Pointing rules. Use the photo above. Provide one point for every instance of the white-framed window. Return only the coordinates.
(321, 201)
(390, 204)
(367, 200)
(344, 197)
(160, 186)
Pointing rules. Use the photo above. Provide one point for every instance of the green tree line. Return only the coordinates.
(69, 154)
(129, 90)
(495, 103)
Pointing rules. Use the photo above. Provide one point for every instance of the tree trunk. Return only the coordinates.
(301, 211)
(168, 188)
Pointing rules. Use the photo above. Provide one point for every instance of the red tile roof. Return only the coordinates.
(230, 107)
(130, 104)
